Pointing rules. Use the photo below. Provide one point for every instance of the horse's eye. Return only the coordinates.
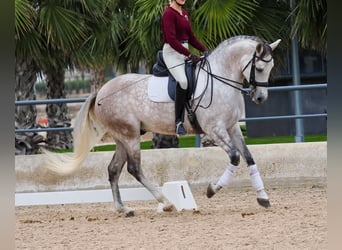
(259, 70)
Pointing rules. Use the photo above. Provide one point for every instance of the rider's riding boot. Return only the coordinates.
(179, 109)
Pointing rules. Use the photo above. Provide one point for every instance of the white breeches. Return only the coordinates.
(175, 63)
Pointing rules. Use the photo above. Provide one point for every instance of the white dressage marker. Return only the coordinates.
(179, 193)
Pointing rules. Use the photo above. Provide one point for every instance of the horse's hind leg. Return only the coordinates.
(114, 171)
(134, 168)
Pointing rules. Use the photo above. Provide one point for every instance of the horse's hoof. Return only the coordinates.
(129, 213)
(210, 191)
(264, 202)
(126, 210)
(169, 208)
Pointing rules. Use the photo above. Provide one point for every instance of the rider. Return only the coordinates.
(177, 35)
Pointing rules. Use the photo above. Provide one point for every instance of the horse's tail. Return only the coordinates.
(87, 131)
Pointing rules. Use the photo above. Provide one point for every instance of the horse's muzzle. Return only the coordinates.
(258, 97)
(259, 100)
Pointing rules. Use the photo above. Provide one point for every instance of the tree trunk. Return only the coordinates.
(25, 115)
(165, 141)
(25, 78)
(206, 141)
(58, 112)
(98, 79)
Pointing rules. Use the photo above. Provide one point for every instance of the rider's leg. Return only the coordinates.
(175, 63)
(179, 109)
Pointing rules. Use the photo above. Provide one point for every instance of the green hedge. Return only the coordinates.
(70, 86)
(189, 142)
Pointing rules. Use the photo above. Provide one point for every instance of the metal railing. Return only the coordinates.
(277, 88)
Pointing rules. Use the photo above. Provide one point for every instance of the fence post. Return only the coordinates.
(296, 81)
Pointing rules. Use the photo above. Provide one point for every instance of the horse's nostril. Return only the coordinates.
(260, 99)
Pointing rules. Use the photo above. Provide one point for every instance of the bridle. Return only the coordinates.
(266, 51)
(255, 58)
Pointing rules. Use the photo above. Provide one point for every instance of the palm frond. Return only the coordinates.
(63, 28)
(216, 20)
(27, 39)
(269, 21)
(310, 23)
(24, 18)
(144, 34)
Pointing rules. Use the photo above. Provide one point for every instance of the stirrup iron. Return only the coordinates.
(180, 130)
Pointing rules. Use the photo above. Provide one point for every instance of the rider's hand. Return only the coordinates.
(195, 59)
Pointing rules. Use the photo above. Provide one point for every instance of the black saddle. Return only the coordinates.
(160, 69)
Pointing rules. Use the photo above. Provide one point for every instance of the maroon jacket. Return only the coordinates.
(177, 28)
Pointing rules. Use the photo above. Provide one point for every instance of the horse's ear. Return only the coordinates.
(275, 44)
(259, 48)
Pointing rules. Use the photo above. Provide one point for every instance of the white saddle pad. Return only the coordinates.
(158, 89)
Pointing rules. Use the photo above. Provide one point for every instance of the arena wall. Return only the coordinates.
(279, 164)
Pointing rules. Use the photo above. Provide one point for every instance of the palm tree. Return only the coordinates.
(310, 24)
(40, 32)
(269, 21)
(63, 25)
(144, 36)
(28, 44)
(53, 36)
(104, 36)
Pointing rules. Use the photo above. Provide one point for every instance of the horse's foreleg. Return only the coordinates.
(114, 171)
(256, 180)
(224, 142)
(227, 176)
(254, 174)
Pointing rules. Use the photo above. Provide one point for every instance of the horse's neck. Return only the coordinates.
(227, 63)
(225, 66)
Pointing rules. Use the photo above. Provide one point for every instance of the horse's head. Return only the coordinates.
(258, 69)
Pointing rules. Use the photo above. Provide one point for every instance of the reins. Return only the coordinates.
(204, 62)
(227, 81)
(224, 80)
(252, 80)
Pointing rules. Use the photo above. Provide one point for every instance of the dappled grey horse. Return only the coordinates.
(122, 109)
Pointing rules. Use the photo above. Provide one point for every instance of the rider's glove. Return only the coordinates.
(195, 59)
(206, 53)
